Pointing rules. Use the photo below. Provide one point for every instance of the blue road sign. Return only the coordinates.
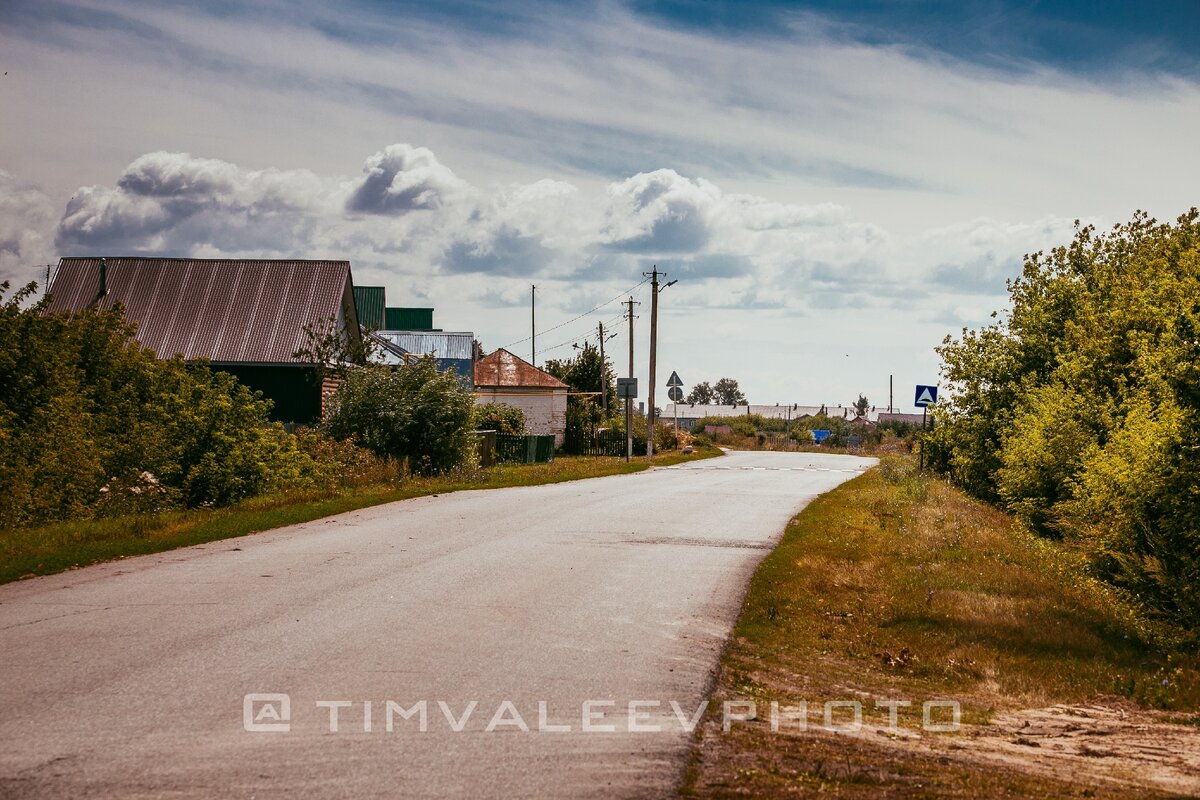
(926, 396)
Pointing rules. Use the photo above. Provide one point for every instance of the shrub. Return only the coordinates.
(504, 419)
(86, 413)
(1077, 411)
(412, 413)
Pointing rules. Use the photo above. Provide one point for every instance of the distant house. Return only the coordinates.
(911, 419)
(504, 378)
(690, 413)
(247, 317)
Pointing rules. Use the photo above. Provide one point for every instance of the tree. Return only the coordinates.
(1077, 411)
(728, 394)
(862, 405)
(584, 373)
(333, 350)
(702, 394)
(413, 412)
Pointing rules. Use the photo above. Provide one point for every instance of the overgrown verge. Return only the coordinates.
(25, 552)
(898, 587)
(1078, 410)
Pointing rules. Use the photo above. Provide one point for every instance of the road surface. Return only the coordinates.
(486, 612)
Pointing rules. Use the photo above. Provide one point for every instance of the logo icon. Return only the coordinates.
(267, 713)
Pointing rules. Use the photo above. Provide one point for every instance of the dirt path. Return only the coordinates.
(1115, 743)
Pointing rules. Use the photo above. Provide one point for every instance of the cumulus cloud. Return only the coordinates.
(521, 230)
(729, 250)
(403, 178)
(979, 256)
(660, 212)
(178, 204)
(26, 224)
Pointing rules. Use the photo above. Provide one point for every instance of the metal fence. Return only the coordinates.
(525, 449)
(605, 442)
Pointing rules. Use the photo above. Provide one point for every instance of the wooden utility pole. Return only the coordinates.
(603, 375)
(629, 400)
(653, 353)
(533, 325)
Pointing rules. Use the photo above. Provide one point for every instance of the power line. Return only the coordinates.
(576, 319)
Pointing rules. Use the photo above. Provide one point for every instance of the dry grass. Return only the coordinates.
(897, 586)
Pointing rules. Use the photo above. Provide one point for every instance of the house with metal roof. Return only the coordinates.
(505, 378)
(247, 317)
(451, 351)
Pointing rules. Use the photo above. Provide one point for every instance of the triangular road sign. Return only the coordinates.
(674, 381)
(926, 395)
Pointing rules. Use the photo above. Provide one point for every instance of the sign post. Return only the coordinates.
(925, 397)
(675, 392)
(627, 389)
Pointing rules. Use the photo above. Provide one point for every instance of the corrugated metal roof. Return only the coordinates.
(502, 368)
(370, 302)
(225, 310)
(456, 346)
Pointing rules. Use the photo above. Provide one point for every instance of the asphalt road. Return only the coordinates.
(537, 605)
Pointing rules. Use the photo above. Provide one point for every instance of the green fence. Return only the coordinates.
(525, 449)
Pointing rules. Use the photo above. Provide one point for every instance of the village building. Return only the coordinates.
(247, 317)
(505, 378)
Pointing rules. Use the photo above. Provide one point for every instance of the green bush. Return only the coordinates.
(92, 423)
(1078, 411)
(502, 418)
(413, 414)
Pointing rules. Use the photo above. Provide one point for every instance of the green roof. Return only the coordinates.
(370, 302)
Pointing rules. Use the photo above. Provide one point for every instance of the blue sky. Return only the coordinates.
(836, 185)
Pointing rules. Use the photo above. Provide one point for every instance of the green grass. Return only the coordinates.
(896, 585)
(53, 548)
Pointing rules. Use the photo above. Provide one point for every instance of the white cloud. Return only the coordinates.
(782, 175)
(26, 223)
(404, 178)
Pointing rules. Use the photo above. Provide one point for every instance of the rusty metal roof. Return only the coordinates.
(502, 368)
(225, 310)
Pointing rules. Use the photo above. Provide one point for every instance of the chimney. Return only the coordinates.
(103, 277)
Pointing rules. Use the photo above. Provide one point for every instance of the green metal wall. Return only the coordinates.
(409, 319)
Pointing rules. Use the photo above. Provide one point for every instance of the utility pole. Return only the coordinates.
(890, 382)
(653, 354)
(603, 375)
(629, 400)
(533, 324)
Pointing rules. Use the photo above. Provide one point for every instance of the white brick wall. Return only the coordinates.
(544, 414)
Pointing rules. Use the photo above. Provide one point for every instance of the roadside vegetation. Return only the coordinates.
(898, 586)
(756, 432)
(589, 428)
(108, 451)
(1079, 410)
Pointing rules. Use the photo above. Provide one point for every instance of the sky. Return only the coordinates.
(835, 186)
